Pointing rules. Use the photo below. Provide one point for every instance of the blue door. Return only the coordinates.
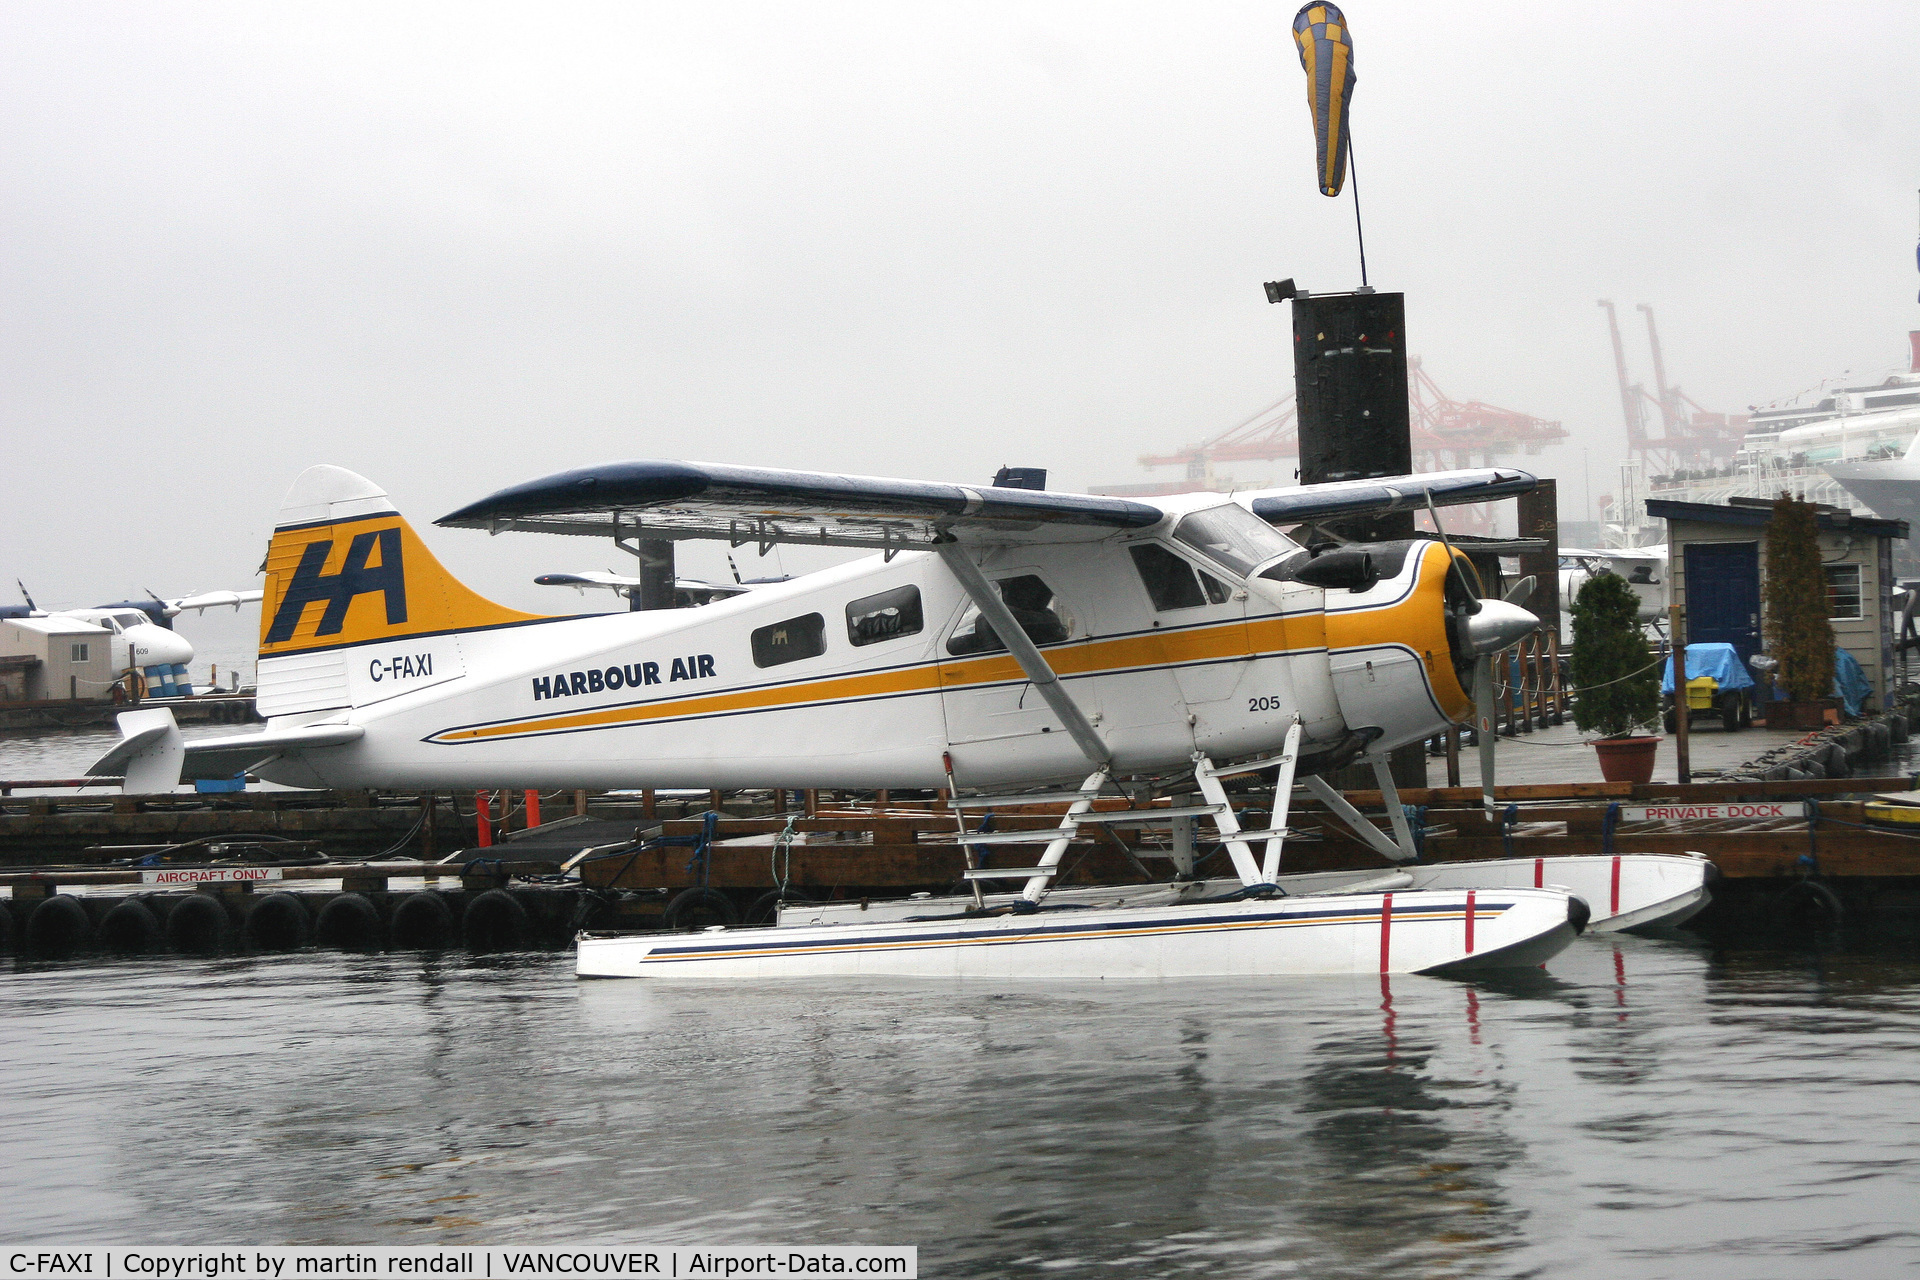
(1723, 595)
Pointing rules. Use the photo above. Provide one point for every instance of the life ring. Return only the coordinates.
(348, 921)
(699, 909)
(494, 921)
(422, 922)
(765, 908)
(198, 924)
(131, 929)
(57, 928)
(1807, 905)
(278, 922)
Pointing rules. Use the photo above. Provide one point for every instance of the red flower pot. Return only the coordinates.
(1626, 759)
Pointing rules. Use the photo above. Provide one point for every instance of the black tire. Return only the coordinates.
(699, 909)
(764, 908)
(1808, 906)
(131, 929)
(422, 922)
(1746, 710)
(350, 922)
(1671, 723)
(1730, 712)
(6, 928)
(57, 928)
(278, 922)
(494, 921)
(199, 925)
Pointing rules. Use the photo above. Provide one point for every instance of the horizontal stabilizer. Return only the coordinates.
(153, 758)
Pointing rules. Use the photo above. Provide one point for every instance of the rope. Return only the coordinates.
(780, 857)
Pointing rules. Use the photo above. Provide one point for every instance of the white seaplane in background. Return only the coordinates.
(997, 639)
(141, 634)
(1644, 568)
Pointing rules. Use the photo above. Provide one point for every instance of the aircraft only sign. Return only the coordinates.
(208, 875)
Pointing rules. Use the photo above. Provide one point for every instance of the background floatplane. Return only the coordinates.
(997, 639)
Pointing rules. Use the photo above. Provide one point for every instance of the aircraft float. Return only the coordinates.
(996, 640)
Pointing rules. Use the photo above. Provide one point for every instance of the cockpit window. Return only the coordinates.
(1172, 583)
(1233, 537)
(130, 619)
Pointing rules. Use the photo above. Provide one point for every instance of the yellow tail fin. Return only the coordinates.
(344, 568)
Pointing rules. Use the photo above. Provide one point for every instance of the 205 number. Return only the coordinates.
(1265, 703)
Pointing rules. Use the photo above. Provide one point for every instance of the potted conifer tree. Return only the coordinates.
(1799, 619)
(1617, 688)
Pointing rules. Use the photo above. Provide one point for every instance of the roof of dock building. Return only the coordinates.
(1758, 514)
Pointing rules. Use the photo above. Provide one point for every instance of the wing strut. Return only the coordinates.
(1031, 660)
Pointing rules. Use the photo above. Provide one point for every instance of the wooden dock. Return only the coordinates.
(288, 868)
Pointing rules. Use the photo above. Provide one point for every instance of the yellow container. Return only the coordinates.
(1700, 691)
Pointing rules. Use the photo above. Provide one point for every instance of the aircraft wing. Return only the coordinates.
(591, 578)
(763, 505)
(1386, 494)
(212, 600)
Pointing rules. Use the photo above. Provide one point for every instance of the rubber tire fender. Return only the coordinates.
(131, 929)
(764, 908)
(57, 927)
(278, 922)
(199, 924)
(422, 922)
(349, 921)
(494, 921)
(691, 908)
(1809, 905)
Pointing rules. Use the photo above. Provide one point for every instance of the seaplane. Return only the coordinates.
(1005, 644)
(141, 634)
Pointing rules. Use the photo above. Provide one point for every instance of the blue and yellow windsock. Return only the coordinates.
(1326, 51)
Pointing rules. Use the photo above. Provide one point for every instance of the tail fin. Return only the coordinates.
(346, 572)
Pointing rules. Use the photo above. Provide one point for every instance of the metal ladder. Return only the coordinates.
(1039, 878)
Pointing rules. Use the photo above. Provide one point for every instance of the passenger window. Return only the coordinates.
(886, 616)
(1172, 583)
(1034, 607)
(790, 641)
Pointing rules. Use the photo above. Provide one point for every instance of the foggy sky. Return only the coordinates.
(453, 247)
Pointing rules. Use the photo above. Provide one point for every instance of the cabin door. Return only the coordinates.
(1723, 595)
(1001, 729)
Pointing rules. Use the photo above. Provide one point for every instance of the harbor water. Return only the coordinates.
(1644, 1108)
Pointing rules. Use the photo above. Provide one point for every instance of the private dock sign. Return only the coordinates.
(1745, 811)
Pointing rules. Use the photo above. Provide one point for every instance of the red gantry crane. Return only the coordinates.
(1691, 437)
(1447, 434)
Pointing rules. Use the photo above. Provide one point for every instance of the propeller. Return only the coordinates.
(26, 595)
(1481, 628)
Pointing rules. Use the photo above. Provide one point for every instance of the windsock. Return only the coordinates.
(1326, 51)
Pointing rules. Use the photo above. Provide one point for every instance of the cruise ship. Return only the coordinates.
(1849, 446)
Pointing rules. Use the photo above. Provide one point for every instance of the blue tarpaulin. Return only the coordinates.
(1850, 682)
(1716, 660)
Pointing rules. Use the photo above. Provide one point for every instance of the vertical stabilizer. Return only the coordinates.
(356, 608)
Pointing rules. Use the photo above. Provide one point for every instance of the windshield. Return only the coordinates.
(1234, 537)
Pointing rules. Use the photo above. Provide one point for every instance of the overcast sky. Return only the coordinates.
(453, 247)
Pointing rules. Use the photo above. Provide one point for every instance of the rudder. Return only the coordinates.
(356, 609)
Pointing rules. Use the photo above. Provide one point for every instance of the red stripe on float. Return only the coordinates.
(1539, 873)
(1616, 884)
(1386, 929)
(1470, 893)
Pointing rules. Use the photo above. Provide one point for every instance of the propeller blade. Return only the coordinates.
(1521, 590)
(1483, 718)
(1453, 561)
